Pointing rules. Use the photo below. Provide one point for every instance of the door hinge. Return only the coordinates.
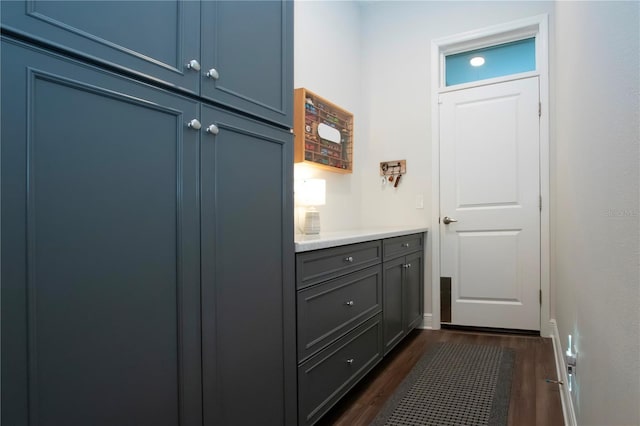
(539, 109)
(540, 293)
(540, 202)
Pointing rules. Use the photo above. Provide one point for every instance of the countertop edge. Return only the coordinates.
(336, 239)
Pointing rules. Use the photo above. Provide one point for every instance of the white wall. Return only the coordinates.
(327, 62)
(396, 73)
(597, 216)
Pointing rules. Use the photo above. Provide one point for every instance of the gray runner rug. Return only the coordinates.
(453, 384)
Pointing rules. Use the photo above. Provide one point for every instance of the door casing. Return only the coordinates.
(537, 27)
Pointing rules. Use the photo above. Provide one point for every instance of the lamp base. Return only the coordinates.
(312, 222)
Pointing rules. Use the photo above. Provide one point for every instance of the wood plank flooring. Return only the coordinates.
(533, 400)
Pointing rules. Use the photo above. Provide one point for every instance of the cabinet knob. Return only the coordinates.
(194, 124)
(349, 303)
(349, 259)
(350, 361)
(213, 129)
(406, 245)
(193, 65)
(406, 265)
(213, 74)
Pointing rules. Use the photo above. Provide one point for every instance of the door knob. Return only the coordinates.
(193, 65)
(447, 220)
(213, 73)
(194, 124)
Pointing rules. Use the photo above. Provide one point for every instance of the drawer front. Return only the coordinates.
(320, 265)
(329, 310)
(399, 246)
(325, 378)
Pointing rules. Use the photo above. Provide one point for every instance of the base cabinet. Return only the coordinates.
(353, 308)
(403, 297)
(403, 287)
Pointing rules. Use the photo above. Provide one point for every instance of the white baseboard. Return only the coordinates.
(427, 322)
(568, 410)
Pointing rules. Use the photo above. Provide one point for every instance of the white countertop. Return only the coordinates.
(341, 238)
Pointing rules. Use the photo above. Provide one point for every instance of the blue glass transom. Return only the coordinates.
(503, 59)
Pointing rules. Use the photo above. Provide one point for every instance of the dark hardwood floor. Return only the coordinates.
(533, 400)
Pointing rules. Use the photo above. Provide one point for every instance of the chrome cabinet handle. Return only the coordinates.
(406, 245)
(193, 65)
(349, 303)
(447, 220)
(194, 124)
(213, 74)
(349, 259)
(213, 129)
(350, 361)
(406, 265)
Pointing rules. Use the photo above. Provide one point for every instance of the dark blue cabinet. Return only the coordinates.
(355, 303)
(235, 53)
(393, 313)
(153, 38)
(414, 293)
(247, 49)
(247, 272)
(147, 247)
(402, 289)
(100, 247)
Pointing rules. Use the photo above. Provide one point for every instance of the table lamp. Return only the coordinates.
(312, 194)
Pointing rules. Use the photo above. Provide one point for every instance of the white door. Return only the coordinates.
(489, 183)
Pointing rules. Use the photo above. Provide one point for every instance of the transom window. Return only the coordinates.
(490, 62)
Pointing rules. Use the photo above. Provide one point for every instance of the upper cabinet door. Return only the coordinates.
(154, 38)
(247, 59)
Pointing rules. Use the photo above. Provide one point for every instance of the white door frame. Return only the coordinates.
(535, 26)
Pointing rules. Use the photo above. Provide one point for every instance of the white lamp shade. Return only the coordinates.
(312, 192)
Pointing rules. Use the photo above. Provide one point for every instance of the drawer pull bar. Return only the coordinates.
(406, 245)
(349, 259)
(350, 361)
(349, 303)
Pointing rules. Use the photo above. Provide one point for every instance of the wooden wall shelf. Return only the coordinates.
(323, 133)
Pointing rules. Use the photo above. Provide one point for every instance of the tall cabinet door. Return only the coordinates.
(247, 272)
(100, 248)
(157, 38)
(247, 56)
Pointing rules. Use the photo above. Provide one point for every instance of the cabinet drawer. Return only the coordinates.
(328, 310)
(326, 377)
(320, 265)
(399, 246)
